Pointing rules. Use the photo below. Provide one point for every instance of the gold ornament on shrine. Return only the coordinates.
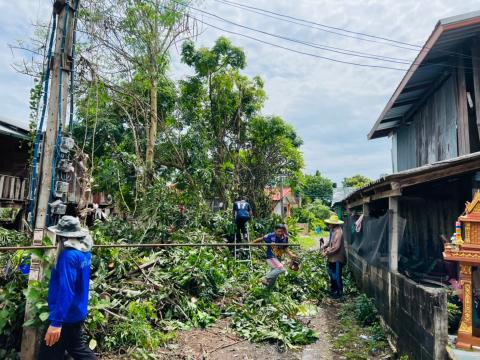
(467, 253)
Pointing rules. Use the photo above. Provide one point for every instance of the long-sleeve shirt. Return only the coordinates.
(69, 287)
(336, 248)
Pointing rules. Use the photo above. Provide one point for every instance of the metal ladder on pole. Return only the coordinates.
(243, 253)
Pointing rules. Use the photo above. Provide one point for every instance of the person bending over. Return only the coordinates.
(274, 253)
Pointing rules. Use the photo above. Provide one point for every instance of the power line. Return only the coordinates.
(320, 26)
(401, 61)
(310, 44)
(299, 51)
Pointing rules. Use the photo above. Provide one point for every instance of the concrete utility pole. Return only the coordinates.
(60, 66)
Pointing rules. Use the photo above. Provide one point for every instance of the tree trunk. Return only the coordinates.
(152, 133)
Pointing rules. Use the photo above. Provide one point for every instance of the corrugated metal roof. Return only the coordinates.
(14, 128)
(433, 62)
(439, 165)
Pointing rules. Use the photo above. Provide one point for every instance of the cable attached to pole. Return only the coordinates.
(39, 134)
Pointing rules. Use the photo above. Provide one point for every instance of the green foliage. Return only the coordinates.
(365, 311)
(360, 334)
(317, 187)
(356, 181)
(454, 308)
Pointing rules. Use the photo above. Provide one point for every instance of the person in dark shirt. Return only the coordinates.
(274, 253)
(68, 293)
(242, 213)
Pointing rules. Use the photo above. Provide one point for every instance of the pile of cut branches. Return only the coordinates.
(140, 298)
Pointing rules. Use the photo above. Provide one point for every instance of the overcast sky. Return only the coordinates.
(331, 105)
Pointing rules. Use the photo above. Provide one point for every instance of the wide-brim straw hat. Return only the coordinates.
(334, 220)
(69, 227)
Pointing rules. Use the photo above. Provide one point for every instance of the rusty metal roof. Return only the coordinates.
(433, 62)
(402, 178)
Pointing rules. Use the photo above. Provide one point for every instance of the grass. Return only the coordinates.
(355, 341)
(309, 241)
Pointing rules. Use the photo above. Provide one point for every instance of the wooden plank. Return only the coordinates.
(2, 183)
(18, 183)
(22, 189)
(475, 52)
(12, 188)
(440, 173)
(462, 111)
(374, 197)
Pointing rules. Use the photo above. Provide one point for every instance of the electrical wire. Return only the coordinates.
(298, 51)
(403, 62)
(303, 22)
(320, 26)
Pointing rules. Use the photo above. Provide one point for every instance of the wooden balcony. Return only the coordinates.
(13, 189)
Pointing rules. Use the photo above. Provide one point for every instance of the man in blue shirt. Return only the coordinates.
(274, 253)
(242, 212)
(68, 293)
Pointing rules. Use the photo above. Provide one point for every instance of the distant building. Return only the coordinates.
(433, 119)
(290, 201)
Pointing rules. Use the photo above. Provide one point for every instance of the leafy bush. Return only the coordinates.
(365, 311)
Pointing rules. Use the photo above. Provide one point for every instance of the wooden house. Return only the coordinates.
(433, 119)
(14, 161)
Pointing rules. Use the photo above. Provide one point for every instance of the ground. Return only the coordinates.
(220, 343)
(338, 338)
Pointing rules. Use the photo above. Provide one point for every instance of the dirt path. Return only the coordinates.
(321, 348)
(221, 343)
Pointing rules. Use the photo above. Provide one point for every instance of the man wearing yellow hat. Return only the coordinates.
(335, 253)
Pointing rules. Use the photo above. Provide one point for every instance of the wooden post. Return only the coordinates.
(394, 233)
(462, 111)
(366, 209)
(475, 51)
(58, 87)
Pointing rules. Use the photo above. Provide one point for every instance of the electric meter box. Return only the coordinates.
(65, 166)
(61, 187)
(67, 144)
(59, 209)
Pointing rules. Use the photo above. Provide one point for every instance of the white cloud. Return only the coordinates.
(331, 105)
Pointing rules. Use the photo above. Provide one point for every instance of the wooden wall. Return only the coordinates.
(432, 134)
(14, 156)
(431, 210)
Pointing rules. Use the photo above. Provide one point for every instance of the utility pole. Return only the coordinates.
(60, 68)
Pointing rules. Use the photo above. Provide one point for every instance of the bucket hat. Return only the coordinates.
(69, 227)
(334, 220)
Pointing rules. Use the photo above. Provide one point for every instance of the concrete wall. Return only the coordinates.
(416, 314)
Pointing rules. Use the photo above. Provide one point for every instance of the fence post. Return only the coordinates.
(394, 226)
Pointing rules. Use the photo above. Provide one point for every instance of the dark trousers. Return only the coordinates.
(71, 342)
(335, 273)
(241, 228)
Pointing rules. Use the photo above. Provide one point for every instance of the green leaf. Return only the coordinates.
(92, 344)
(44, 316)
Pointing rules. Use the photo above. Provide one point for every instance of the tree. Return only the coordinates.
(132, 39)
(356, 181)
(317, 187)
(218, 102)
(273, 149)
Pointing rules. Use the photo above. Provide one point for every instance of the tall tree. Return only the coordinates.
(222, 101)
(317, 187)
(356, 181)
(273, 150)
(130, 40)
